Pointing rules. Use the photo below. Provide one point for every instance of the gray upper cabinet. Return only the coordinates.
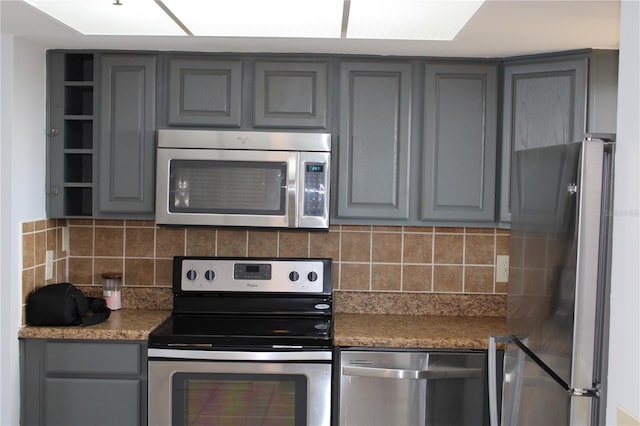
(414, 141)
(71, 125)
(459, 140)
(204, 92)
(290, 94)
(555, 100)
(127, 135)
(375, 135)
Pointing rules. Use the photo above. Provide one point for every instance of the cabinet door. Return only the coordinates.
(290, 94)
(205, 92)
(91, 401)
(544, 104)
(127, 138)
(375, 133)
(458, 181)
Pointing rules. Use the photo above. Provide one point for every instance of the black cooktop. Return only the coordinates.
(225, 331)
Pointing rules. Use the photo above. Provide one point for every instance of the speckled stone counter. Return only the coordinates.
(125, 324)
(416, 331)
(368, 319)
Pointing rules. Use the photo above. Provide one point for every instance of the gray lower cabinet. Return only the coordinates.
(375, 134)
(83, 382)
(126, 147)
(204, 92)
(459, 143)
(554, 100)
(290, 94)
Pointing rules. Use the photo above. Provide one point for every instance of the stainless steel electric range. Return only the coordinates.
(249, 341)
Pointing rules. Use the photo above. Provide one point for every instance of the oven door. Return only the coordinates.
(239, 388)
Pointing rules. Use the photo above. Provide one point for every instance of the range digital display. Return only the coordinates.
(252, 271)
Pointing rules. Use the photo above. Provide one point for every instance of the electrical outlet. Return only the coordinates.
(48, 270)
(502, 269)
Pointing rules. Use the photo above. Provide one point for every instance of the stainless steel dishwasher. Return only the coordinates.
(412, 388)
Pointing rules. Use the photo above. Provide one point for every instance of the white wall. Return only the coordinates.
(22, 194)
(624, 344)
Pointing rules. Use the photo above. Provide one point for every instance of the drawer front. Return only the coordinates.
(92, 358)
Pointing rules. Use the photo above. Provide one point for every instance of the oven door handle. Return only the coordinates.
(397, 373)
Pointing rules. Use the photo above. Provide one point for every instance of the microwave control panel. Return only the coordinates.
(314, 189)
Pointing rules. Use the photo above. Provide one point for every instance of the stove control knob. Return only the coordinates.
(294, 276)
(192, 275)
(209, 275)
(312, 276)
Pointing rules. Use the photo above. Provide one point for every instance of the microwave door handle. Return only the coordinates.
(429, 374)
(292, 189)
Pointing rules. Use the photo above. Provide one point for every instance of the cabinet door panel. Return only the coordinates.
(375, 102)
(545, 103)
(290, 94)
(543, 111)
(205, 92)
(97, 402)
(127, 138)
(459, 143)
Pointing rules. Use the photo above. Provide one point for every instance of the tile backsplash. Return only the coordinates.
(366, 258)
(37, 238)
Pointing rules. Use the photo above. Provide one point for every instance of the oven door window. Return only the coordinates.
(239, 399)
(223, 187)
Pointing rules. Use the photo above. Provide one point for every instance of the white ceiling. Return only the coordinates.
(500, 28)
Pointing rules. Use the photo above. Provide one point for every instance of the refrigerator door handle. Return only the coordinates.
(591, 393)
(492, 372)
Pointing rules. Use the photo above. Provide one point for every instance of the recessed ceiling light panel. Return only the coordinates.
(409, 19)
(110, 17)
(260, 18)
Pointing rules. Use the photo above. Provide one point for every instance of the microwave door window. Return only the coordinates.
(228, 187)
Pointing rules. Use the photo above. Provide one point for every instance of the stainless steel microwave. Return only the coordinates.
(243, 178)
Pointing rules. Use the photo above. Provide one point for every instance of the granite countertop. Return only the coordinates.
(351, 329)
(429, 321)
(124, 324)
(416, 331)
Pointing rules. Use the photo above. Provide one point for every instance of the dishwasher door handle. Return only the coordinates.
(396, 373)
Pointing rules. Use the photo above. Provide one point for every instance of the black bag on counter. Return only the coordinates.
(64, 304)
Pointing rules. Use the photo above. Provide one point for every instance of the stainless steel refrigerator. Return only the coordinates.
(557, 305)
